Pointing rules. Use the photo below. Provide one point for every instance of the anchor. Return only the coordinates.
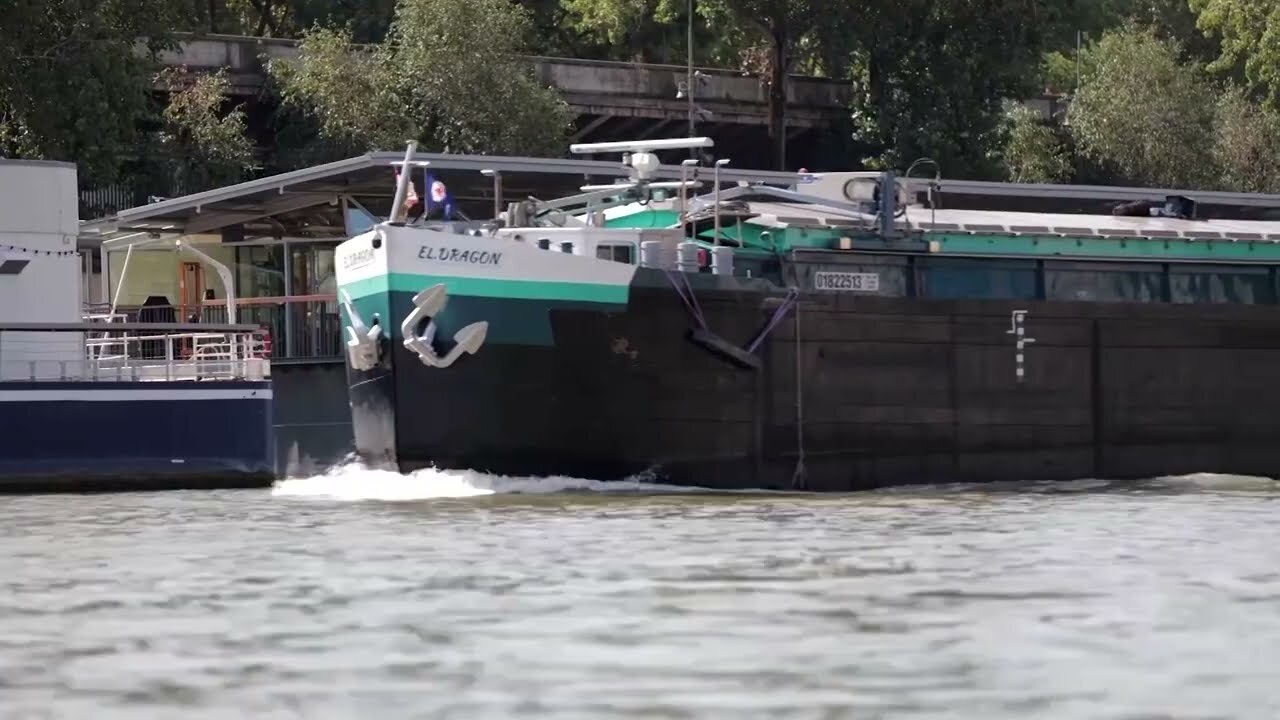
(426, 305)
(362, 346)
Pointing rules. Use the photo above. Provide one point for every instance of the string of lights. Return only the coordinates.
(29, 251)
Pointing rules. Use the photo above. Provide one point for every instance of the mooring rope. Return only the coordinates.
(690, 300)
(781, 312)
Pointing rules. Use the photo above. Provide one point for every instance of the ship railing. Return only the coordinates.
(295, 328)
(138, 352)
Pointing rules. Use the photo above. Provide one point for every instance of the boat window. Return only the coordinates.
(978, 278)
(618, 252)
(1221, 284)
(1104, 282)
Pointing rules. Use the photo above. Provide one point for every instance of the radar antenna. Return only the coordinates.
(638, 154)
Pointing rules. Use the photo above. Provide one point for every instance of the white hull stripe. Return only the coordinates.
(92, 394)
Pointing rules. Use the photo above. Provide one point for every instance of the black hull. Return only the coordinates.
(892, 391)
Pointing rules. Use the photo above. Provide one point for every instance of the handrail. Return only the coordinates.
(126, 327)
(299, 327)
(134, 351)
(276, 300)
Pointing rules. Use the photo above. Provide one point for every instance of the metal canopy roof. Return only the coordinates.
(370, 176)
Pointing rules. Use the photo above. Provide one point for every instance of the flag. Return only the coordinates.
(411, 197)
(438, 196)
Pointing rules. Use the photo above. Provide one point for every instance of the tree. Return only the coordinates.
(635, 30)
(774, 30)
(761, 37)
(212, 144)
(1250, 34)
(930, 77)
(1246, 144)
(447, 75)
(1032, 150)
(1144, 114)
(73, 84)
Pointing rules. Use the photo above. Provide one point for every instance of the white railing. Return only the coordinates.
(132, 352)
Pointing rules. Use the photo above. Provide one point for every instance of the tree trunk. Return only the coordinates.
(778, 100)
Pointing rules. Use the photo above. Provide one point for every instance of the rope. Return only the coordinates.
(792, 295)
(799, 476)
(690, 300)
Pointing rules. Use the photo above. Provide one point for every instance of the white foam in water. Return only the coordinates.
(1219, 481)
(353, 481)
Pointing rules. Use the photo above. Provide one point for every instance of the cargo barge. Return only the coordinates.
(831, 337)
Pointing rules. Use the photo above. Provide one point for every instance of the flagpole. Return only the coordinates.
(402, 185)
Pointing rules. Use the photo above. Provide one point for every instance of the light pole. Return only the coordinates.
(716, 201)
(497, 190)
(686, 171)
(688, 81)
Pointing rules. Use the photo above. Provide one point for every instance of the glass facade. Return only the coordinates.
(288, 289)
(260, 271)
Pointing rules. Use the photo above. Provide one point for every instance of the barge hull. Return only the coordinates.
(890, 391)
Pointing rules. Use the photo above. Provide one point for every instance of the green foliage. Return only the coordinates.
(446, 76)
(1250, 34)
(1168, 91)
(1154, 119)
(930, 78)
(213, 144)
(72, 85)
(1144, 114)
(1032, 150)
(635, 30)
(1246, 144)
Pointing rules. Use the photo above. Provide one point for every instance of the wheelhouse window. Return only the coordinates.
(617, 252)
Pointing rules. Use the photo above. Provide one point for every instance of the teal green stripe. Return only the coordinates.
(487, 287)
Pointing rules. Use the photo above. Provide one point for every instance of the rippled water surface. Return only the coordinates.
(364, 595)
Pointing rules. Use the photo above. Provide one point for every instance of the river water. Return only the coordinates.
(367, 595)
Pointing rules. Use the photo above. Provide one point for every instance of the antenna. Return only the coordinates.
(640, 158)
(641, 146)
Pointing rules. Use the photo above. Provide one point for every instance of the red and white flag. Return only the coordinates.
(411, 197)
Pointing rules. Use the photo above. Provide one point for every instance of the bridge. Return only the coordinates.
(613, 100)
(640, 97)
